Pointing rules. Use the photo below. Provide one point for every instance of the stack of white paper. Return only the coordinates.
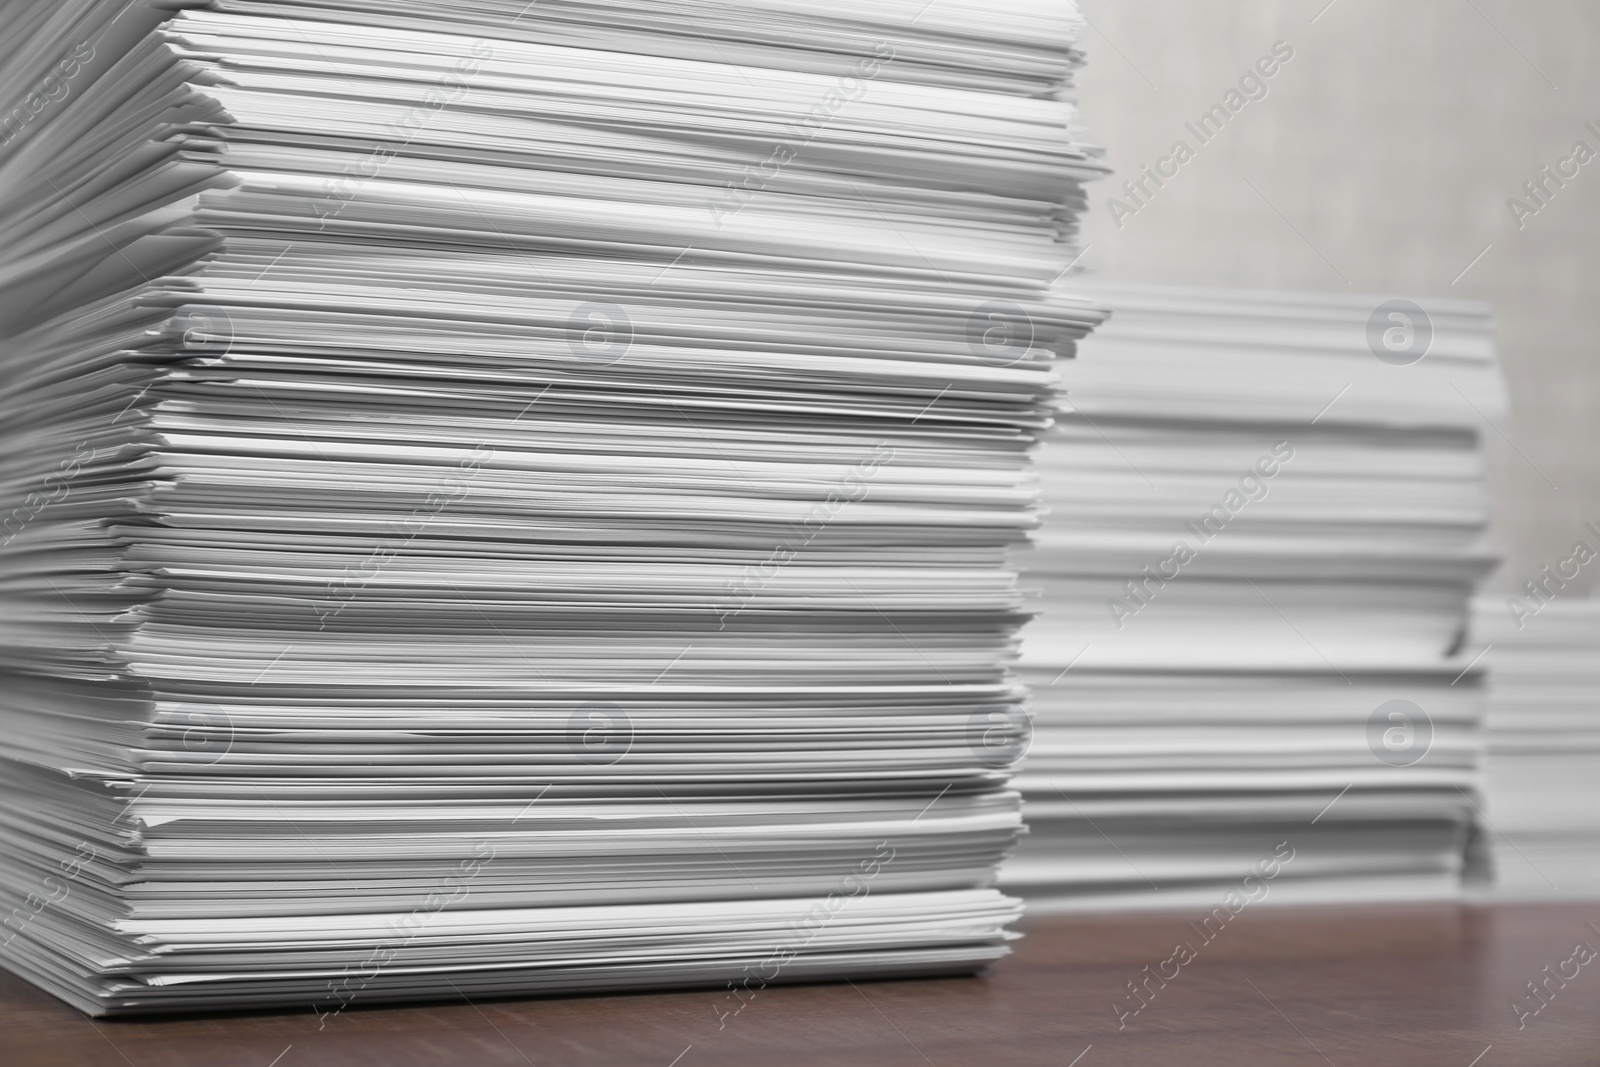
(511, 497)
(1543, 730)
(1255, 574)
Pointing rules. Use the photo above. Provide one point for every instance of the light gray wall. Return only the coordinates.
(1381, 160)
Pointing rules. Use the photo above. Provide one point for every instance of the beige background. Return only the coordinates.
(1382, 159)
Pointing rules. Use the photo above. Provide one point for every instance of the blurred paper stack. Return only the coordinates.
(1267, 519)
(1543, 730)
(516, 497)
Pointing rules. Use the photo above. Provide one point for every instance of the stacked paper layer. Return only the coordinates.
(1255, 577)
(510, 497)
(1543, 729)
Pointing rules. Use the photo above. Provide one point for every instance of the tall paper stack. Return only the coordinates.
(1543, 729)
(511, 497)
(1267, 519)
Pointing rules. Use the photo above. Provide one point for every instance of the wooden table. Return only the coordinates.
(1412, 986)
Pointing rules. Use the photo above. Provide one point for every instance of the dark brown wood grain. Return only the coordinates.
(1409, 986)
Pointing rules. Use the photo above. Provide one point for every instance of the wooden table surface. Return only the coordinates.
(1413, 986)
